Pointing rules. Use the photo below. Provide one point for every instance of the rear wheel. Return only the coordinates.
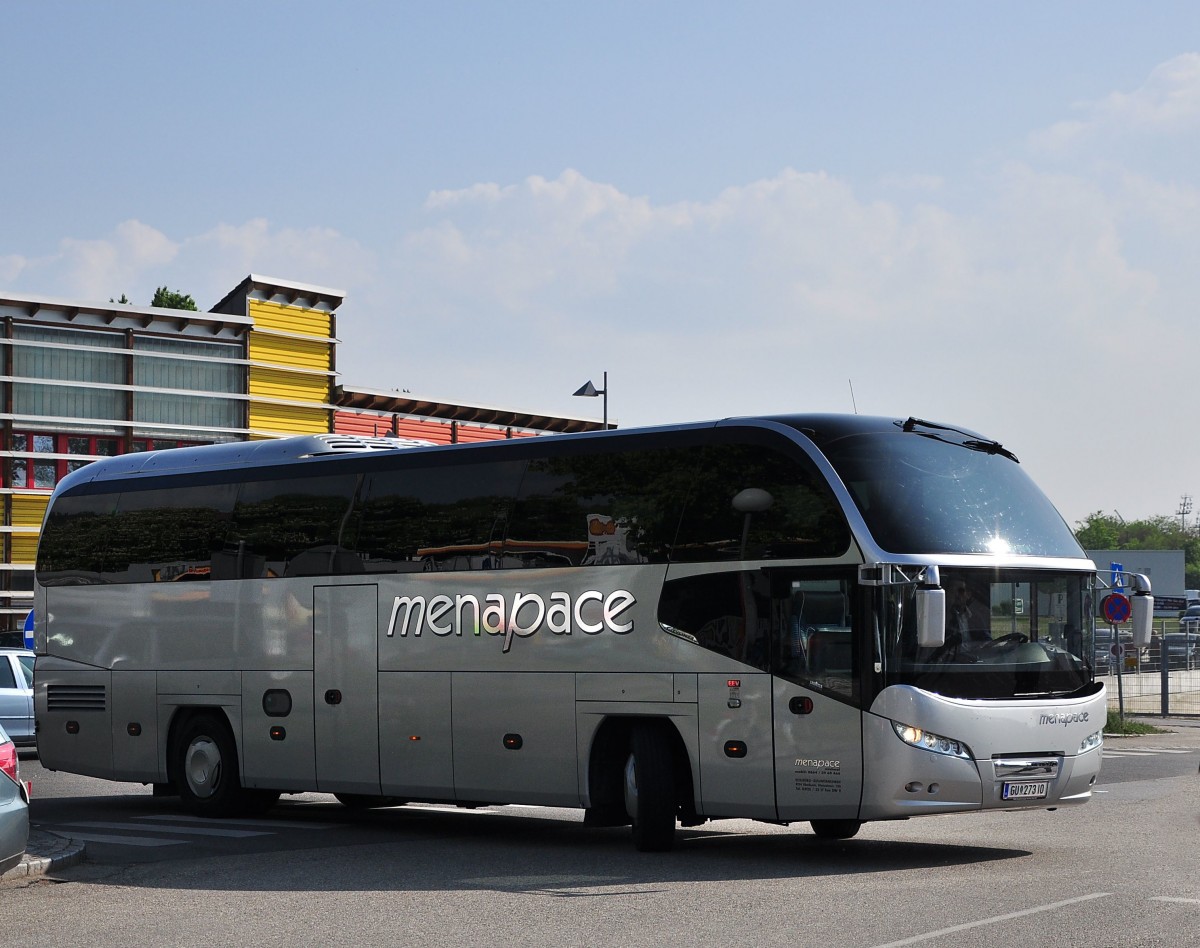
(835, 829)
(650, 787)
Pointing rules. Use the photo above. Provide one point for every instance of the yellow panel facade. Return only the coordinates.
(296, 319)
(288, 419)
(283, 350)
(24, 547)
(293, 386)
(276, 340)
(28, 510)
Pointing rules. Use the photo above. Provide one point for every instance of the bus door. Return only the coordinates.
(818, 726)
(780, 732)
(346, 688)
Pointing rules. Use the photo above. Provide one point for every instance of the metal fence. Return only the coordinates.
(1140, 681)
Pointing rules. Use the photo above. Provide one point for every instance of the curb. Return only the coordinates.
(44, 853)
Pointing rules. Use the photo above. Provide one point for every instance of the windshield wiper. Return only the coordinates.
(972, 442)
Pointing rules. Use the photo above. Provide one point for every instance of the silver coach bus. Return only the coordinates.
(832, 619)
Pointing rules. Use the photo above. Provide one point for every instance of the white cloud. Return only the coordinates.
(96, 269)
(11, 267)
(1167, 103)
(136, 258)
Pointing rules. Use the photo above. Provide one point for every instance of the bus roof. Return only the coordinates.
(821, 429)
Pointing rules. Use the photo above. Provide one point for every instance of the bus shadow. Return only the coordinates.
(425, 849)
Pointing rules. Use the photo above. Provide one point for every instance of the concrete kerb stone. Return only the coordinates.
(45, 852)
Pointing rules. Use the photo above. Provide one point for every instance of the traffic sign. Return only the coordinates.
(1116, 608)
(27, 629)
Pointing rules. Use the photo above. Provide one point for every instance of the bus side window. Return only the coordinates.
(801, 519)
(595, 509)
(290, 526)
(166, 535)
(73, 539)
(726, 613)
(435, 519)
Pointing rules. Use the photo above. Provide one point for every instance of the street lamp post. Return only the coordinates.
(588, 390)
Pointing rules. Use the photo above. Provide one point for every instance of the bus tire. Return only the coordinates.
(650, 787)
(206, 768)
(367, 801)
(835, 829)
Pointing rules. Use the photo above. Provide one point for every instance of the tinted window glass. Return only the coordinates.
(290, 527)
(7, 678)
(600, 509)
(791, 513)
(75, 538)
(443, 518)
(167, 535)
(920, 494)
(796, 622)
(710, 611)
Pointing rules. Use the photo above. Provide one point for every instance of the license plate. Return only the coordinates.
(1025, 790)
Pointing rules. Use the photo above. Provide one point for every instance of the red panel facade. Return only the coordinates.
(377, 424)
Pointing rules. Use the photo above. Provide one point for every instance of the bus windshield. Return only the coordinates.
(1009, 633)
(920, 493)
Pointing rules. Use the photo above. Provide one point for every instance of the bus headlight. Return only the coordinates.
(929, 741)
(1091, 742)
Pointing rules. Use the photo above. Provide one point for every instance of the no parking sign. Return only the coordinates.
(1116, 608)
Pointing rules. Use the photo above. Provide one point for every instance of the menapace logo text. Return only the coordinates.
(1064, 718)
(591, 612)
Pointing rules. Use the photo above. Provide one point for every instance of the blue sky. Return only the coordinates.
(985, 214)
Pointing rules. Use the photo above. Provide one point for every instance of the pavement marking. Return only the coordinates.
(178, 830)
(1145, 751)
(125, 840)
(994, 919)
(1168, 898)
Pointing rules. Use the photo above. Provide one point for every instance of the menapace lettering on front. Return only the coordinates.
(591, 612)
(1064, 718)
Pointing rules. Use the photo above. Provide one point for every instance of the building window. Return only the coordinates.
(32, 471)
(44, 473)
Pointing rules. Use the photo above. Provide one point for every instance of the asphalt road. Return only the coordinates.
(1120, 871)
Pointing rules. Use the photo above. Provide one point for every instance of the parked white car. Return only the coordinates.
(16, 695)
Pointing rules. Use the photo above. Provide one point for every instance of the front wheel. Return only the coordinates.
(650, 787)
(835, 829)
(206, 768)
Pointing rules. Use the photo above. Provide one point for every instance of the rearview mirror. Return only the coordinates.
(931, 616)
(1142, 619)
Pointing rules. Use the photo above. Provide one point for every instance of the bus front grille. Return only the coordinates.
(76, 698)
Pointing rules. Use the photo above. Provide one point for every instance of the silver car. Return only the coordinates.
(14, 806)
(16, 695)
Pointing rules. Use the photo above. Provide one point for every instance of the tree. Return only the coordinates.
(1099, 531)
(173, 299)
(124, 300)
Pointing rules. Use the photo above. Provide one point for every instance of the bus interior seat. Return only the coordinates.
(829, 651)
(823, 609)
(829, 641)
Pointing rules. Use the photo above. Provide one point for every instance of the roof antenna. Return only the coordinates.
(852, 401)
